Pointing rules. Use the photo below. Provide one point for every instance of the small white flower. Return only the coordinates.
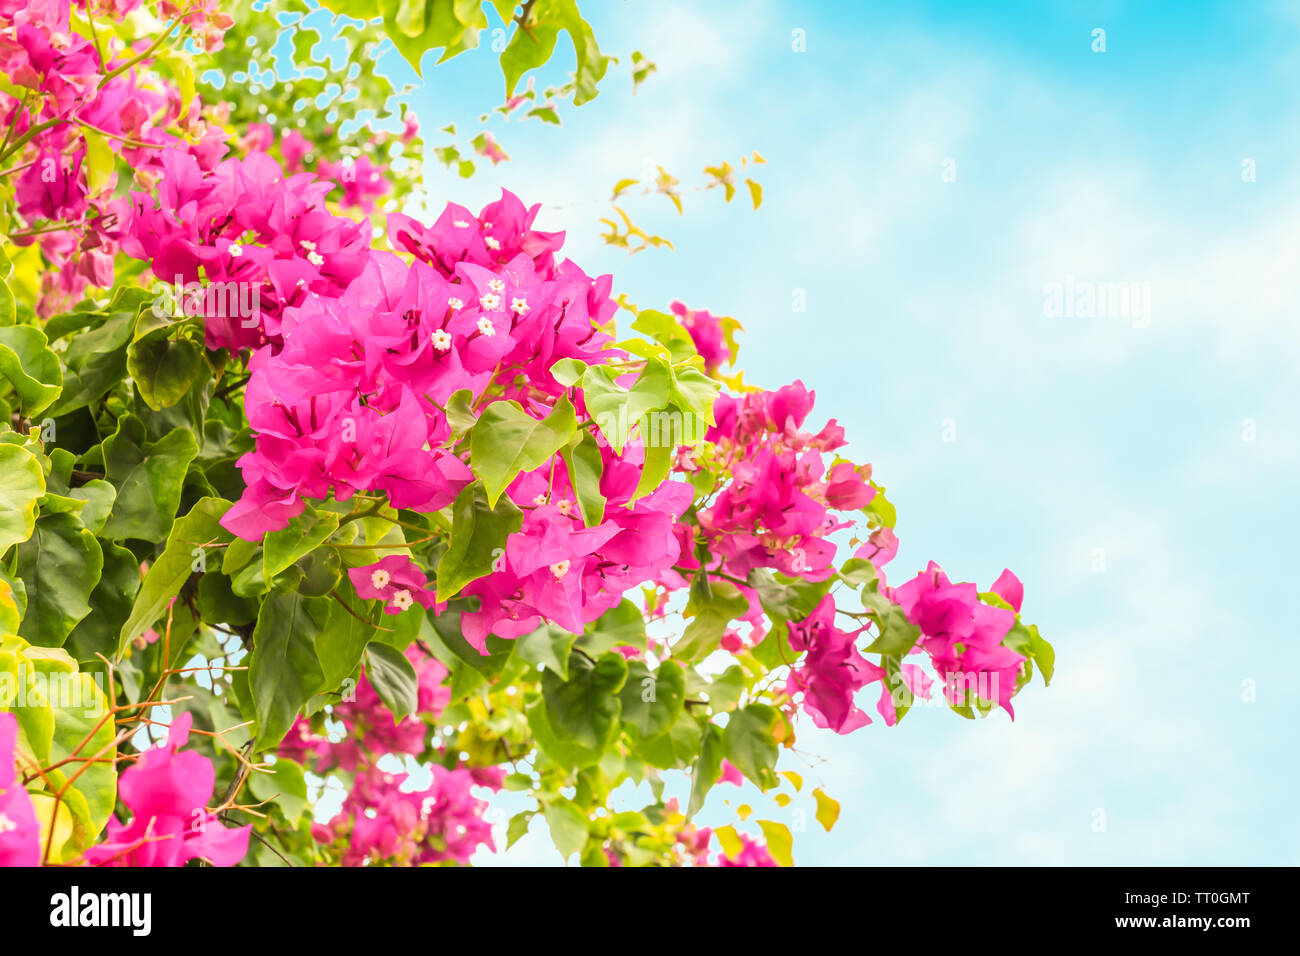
(7, 825)
(539, 500)
(560, 569)
(565, 507)
(441, 340)
(402, 600)
(315, 258)
(379, 579)
(519, 306)
(486, 327)
(491, 243)
(490, 302)
(461, 224)
(456, 303)
(236, 250)
(496, 285)
(306, 243)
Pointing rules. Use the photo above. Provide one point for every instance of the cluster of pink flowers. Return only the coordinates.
(259, 242)
(354, 400)
(167, 792)
(555, 568)
(384, 823)
(963, 636)
(778, 511)
(77, 95)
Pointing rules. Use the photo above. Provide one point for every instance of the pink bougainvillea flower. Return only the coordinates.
(167, 792)
(396, 580)
(708, 334)
(20, 837)
(1008, 587)
(963, 636)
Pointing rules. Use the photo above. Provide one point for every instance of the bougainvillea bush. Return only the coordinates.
(328, 527)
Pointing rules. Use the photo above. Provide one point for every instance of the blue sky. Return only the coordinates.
(1137, 472)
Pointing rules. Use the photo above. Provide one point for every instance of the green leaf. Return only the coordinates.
(99, 161)
(59, 567)
(340, 647)
(880, 511)
(163, 368)
(658, 462)
(393, 678)
(22, 483)
(478, 539)
(568, 826)
(180, 559)
(507, 441)
(284, 673)
(57, 725)
(304, 533)
(94, 361)
(750, 742)
(31, 368)
(708, 769)
(530, 48)
(548, 646)
(460, 412)
(1025, 639)
(148, 477)
(711, 610)
(586, 708)
(896, 634)
(582, 460)
(652, 702)
(616, 409)
(417, 26)
(110, 606)
(219, 604)
(518, 826)
(619, 626)
(675, 750)
(285, 785)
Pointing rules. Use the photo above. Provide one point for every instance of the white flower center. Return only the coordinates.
(441, 340)
(379, 579)
(519, 305)
(486, 327)
(402, 600)
(560, 569)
